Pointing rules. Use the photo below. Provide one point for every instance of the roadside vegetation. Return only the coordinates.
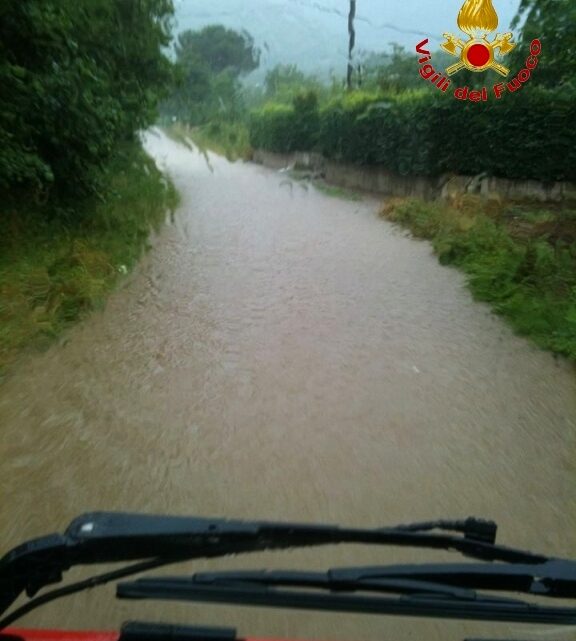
(337, 192)
(54, 272)
(520, 259)
(230, 140)
(208, 104)
(78, 196)
(528, 136)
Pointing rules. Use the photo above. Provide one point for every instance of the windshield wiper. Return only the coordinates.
(114, 537)
(555, 578)
(426, 590)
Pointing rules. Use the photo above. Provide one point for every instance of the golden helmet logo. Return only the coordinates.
(477, 19)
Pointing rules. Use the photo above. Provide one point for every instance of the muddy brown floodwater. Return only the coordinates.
(285, 354)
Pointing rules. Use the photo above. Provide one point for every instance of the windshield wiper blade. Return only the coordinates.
(290, 578)
(555, 578)
(552, 578)
(111, 537)
(434, 600)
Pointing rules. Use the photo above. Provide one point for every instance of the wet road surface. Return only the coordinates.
(284, 354)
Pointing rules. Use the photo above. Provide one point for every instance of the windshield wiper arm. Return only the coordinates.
(419, 598)
(111, 537)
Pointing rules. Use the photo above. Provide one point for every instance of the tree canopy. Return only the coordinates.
(77, 78)
(219, 49)
(554, 23)
(284, 82)
(210, 63)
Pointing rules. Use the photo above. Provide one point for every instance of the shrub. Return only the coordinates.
(283, 128)
(529, 135)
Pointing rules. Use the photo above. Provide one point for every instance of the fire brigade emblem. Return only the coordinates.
(477, 19)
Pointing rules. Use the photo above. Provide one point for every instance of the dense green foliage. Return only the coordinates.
(53, 273)
(228, 139)
(284, 128)
(554, 23)
(393, 71)
(220, 49)
(407, 126)
(415, 133)
(78, 195)
(523, 262)
(77, 79)
(210, 63)
(283, 83)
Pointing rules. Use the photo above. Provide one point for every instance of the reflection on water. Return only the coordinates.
(286, 355)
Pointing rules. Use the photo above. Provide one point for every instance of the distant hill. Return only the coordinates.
(314, 34)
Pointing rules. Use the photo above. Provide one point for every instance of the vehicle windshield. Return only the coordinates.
(289, 260)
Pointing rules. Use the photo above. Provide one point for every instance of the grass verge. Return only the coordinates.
(57, 266)
(520, 259)
(228, 139)
(337, 192)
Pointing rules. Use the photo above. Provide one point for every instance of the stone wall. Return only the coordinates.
(448, 187)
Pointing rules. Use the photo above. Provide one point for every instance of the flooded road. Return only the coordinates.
(284, 354)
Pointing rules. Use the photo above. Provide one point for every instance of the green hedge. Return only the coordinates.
(284, 128)
(528, 135)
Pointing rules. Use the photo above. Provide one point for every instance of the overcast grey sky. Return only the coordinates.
(313, 33)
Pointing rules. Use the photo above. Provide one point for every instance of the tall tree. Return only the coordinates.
(219, 49)
(210, 63)
(554, 23)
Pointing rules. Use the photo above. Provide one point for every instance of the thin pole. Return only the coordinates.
(352, 42)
